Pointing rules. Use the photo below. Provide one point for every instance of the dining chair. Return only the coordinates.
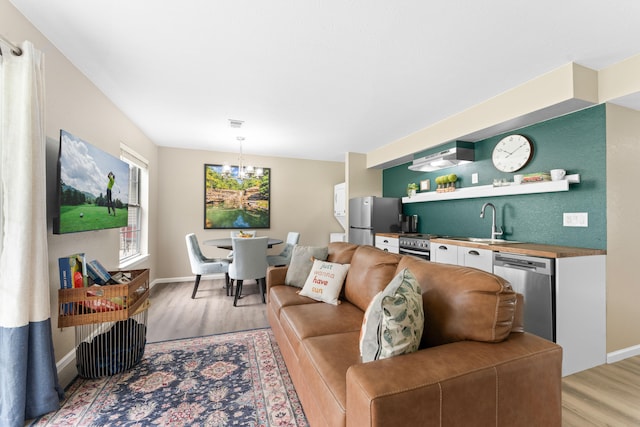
(284, 257)
(249, 263)
(236, 233)
(202, 265)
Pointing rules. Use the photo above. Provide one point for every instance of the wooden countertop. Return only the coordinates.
(523, 248)
(392, 235)
(533, 249)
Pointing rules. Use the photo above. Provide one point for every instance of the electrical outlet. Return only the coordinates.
(575, 219)
(474, 178)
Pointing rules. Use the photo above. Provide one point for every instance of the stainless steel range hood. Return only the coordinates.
(443, 159)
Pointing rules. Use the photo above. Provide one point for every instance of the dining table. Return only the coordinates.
(225, 242)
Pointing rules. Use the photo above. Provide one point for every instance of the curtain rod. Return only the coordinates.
(14, 49)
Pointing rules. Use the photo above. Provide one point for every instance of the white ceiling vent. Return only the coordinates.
(236, 124)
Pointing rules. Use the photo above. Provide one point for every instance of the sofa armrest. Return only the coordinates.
(276, 276)
(515, 382)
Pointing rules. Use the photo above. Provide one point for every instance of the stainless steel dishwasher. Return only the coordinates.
(534, 278)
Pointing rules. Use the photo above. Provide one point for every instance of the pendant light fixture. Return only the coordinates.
(244, 171)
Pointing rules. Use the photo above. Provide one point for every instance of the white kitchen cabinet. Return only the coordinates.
(581, 312)
(340, 200)
(444, 253)
(388, 244)
(481, 259)
(460, 255)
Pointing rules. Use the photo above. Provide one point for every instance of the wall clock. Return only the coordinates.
(512, 153)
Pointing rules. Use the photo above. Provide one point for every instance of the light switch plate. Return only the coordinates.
(575, 219)
(474, 178)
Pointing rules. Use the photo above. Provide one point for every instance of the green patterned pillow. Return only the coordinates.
(394, 320)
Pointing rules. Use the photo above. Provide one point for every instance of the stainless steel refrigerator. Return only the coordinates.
(371, 215)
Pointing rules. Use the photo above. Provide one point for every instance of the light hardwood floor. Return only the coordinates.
(173, 314)
(608, 395)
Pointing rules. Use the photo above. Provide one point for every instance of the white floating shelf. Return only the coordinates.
(491, 191)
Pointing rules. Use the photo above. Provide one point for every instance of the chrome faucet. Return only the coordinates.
(495, 231)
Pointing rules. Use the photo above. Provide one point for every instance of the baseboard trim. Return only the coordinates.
(625, 353)
(66, 368)
(186, 279)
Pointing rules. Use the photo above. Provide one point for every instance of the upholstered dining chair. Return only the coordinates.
(202, 265)
(249, 263)
(240, 233)
(284, 257)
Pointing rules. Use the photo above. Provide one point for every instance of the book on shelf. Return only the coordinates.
(98, 273)
(121, 277)
(73, 271)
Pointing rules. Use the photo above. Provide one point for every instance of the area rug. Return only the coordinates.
(236, 379)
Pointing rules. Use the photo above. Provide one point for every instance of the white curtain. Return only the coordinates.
(28, 378)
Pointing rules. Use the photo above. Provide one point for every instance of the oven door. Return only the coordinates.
(426, 255)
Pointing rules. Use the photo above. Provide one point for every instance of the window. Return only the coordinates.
(133, 236)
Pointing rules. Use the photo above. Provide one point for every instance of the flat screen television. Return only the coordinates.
(92, 188)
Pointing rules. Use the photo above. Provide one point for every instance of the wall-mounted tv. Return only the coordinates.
(92, 188)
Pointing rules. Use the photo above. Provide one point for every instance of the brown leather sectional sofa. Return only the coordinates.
(475, 366)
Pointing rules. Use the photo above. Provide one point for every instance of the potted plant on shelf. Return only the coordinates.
(411, 189)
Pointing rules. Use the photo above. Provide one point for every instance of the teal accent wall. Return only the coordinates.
(575, 142)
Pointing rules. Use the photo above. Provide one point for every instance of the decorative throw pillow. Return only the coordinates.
(394, 320)
(325, 281)
(301, 262)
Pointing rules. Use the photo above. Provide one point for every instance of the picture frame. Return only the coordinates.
(232, 202)
(425, 185)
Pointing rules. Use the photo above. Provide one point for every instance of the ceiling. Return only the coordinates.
(316, 79)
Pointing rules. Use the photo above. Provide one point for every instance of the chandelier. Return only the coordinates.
(244, 170)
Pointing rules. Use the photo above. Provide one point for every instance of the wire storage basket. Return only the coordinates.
(110, 324)
(109, 348)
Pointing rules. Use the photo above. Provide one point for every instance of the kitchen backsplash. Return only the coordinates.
(575, 142)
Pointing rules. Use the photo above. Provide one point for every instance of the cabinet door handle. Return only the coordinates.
(443, 248)
(474, 253)
(385, 241)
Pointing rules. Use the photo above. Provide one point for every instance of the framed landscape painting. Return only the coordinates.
(235, 203)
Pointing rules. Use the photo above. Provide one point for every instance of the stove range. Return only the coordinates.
(417, 245)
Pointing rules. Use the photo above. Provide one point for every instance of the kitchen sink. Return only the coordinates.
(482, 241)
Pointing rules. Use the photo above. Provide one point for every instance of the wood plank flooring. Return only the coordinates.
(173, 314)
(608, 395)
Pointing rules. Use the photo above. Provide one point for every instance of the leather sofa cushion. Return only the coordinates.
(462, 303)
(311, 320)
(371, 271)
(341, 252)
(283, 296)
(465, 383)
(325, 361)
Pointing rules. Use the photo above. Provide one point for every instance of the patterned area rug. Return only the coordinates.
(237, 379)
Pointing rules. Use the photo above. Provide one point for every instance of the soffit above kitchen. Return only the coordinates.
(316, 80)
